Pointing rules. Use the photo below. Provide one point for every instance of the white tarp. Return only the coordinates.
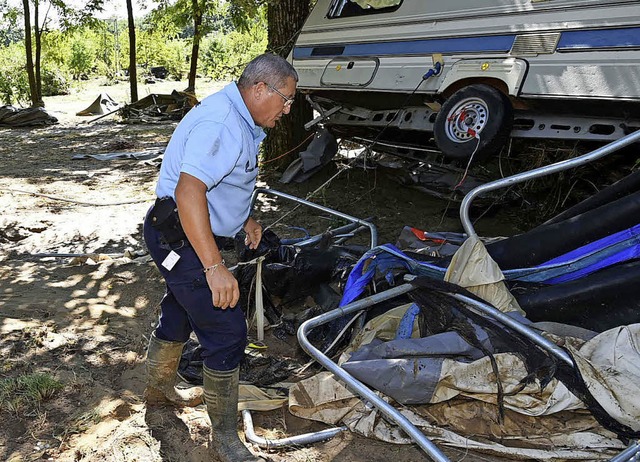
(465, 398)
(473, 268)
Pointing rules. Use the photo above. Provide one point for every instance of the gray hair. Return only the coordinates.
(268, 68)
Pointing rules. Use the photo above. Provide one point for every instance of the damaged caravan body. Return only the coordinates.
(471, 74)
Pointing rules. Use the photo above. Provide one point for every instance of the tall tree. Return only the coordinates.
(197, 12)
(36, 100)
(133, 66)
(285, 19)
(68, 17)
(196, 18)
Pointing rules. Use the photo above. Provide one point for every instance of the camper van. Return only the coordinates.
(468, 74)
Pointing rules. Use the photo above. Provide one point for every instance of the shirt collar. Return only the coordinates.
(232, 91)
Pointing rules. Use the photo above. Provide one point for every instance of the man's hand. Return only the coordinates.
(254, 233)
(224, 287)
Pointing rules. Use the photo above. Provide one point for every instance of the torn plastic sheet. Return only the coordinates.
(158, 107)
(28, 117)
(103, 104)
(549, 438)
(257, 369)
(320, 151)
(147, 154)
(520, 435)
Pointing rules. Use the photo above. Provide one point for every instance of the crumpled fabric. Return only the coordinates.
(552, 423)
(563, 437)
(610, 366)
(473, 268)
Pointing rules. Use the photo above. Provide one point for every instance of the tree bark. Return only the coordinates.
(133, 69)
(285, 18)
(198, 11)
(38, 34)
(29, 54)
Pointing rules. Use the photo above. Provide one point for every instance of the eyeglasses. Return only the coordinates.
(287, 101)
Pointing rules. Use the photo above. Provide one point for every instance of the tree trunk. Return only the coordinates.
(133, 70)
(195, 49)
(28, 48)
(38, 102)
(285, 18)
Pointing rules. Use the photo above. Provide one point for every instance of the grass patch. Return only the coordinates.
(27, 391)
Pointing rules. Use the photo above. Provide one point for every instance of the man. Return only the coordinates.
(206, 180)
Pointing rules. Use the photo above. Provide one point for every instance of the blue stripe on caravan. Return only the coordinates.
(604, 38)
(493, 43)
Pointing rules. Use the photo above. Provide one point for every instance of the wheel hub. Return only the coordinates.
(466, 120)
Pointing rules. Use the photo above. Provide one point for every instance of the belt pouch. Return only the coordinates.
(164, 218)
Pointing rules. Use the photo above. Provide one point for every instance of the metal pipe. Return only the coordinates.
(538, 172)
(358, 387)
(351, 228)
(372, 228)
(631, 454)
(306, 438)
(527, 332)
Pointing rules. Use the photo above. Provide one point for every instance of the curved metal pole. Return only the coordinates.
(358, 387)
(631, 454)
(371, 226)
(306, 438)
(538, 172)
(527, 332)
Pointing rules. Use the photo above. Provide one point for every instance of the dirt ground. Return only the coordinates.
(86, 320)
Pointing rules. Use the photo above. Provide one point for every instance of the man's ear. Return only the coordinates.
(258, 91)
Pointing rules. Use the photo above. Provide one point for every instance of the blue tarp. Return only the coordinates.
(616, 248)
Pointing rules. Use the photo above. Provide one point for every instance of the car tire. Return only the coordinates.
(474, 121)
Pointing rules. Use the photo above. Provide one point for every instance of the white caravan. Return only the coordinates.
(471, 73)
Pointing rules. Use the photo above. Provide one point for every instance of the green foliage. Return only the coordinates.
(14, 85)
(224, 56)
(153, 49)
(10, 30)
(27, 391)
(82, 57)
(54, 82)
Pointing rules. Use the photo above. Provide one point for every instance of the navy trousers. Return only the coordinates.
(188, 306)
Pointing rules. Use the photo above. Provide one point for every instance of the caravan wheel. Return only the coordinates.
(475, 120)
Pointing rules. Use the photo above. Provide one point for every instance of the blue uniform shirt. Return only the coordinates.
(216, 142)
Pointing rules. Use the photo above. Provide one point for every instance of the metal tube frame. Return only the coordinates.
(385, 408)
(273, 192)
(355, 385)
(539, 172)
(631, 454)
(306, 438)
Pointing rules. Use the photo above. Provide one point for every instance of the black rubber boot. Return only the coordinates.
(221, 397)
(162, 362)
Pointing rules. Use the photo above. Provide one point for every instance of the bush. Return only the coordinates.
(82, 58)
(54, 83)
(173, 55)
(14, 83)
(224, 56)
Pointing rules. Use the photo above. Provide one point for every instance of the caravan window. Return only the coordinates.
(344, 8)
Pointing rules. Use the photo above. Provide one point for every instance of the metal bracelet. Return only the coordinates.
(213, 268)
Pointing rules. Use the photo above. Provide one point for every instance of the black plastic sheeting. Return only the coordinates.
(549, 241)
(29, 117)
(439, 313)
(598, 302)
(258, 369)
(290, 274)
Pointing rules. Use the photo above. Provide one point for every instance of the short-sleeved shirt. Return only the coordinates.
(217, 142)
